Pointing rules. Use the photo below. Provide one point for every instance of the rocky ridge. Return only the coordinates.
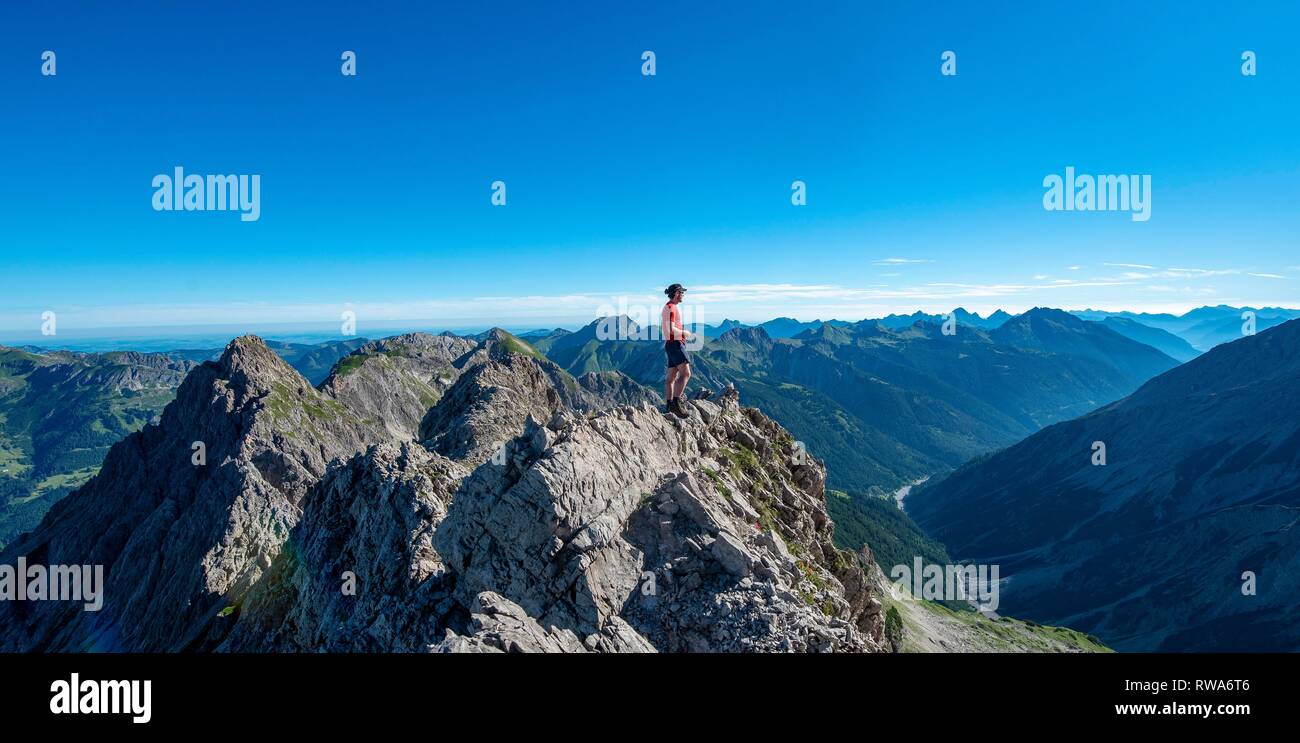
(626, 531)
(613, 530)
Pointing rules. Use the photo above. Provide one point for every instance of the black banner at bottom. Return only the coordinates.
(969, 692)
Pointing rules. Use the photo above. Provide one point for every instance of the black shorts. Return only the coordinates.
(676, 354)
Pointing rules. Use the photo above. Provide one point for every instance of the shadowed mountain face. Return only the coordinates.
(1150, 551)
(614, 343)
(1161, 340)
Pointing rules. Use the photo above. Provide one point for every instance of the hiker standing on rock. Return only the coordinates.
(675, 336)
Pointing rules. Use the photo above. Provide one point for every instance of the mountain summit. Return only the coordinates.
(1055, 331)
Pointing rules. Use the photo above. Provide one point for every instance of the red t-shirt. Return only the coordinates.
(671, 319)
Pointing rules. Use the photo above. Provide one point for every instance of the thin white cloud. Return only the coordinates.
(1186, 274)
(1267, 276)
(1200, 272)
(1130, 265)
(900, 261)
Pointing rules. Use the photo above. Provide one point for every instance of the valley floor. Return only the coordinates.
(928, 627)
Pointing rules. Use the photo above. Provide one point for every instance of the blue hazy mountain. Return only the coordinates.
(1054, 331)
(1150, 550)
(1204, 327)
(962, 316)
(787, 327)
(1161, 340)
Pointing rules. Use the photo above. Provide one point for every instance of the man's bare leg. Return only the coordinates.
(683, 375)
(668, 383)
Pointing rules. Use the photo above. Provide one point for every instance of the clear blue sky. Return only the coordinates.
(924, 191)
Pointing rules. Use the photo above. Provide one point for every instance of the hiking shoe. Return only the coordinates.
(675, 405)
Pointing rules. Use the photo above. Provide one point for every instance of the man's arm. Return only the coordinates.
(686, 334)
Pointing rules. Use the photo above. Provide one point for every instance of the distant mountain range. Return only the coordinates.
(960, 315)
(1184, 539)
(1182, 337)
(787, 327)
(1204, 327)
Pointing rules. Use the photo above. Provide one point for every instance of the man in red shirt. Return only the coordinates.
(679, 365)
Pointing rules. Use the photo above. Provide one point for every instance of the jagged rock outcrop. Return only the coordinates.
(393, 382)
(616, 388)
(626, 532)
(589, 392)
(703, 534)
(359, 572)
(487, 406)
(178, 540)
(503, 381)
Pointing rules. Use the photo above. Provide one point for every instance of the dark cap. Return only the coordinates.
(670, 291)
